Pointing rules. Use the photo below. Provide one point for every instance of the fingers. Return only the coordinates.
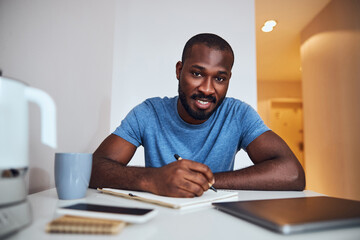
(183, 178)
(201, 169)
(197, 177)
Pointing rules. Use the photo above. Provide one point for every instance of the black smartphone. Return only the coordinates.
(128, 214)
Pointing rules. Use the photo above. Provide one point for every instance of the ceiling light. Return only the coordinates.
(271, 23)
(269, 26)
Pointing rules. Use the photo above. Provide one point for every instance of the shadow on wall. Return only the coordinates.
(338, 22)
(41, 177)
(103, 116)
(39, 171)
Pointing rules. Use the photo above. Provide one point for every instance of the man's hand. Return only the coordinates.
(183, 178)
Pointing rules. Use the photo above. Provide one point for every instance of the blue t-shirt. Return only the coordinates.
(156, 125)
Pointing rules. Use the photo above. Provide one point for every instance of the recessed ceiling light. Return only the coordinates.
(269, 26)
(267, 29)
(271, 23)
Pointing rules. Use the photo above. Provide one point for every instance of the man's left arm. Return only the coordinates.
(275, 168)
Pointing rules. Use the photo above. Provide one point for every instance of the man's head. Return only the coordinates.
(203, 75)
(210, 40)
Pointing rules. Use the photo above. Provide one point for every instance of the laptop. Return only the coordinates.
(295, 215)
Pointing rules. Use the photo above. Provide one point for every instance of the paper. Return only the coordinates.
(207, 198)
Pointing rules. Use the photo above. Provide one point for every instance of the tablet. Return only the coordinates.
(295, 215)
(127, 214)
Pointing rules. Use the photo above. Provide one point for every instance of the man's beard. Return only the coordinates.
(200, 114)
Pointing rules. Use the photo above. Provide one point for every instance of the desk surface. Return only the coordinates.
(203, 223)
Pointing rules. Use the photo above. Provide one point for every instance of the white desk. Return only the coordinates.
(204, 223)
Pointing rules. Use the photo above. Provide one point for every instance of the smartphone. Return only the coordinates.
(127, 214)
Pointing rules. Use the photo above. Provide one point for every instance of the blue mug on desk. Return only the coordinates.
(72, 174)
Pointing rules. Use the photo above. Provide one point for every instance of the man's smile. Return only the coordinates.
(203, 102)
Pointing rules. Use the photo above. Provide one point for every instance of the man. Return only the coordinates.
(205, 128)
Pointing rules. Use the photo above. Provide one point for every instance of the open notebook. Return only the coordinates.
(206, 199)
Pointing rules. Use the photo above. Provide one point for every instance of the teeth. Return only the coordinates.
(202, 102)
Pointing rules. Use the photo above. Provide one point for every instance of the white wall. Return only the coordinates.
(150, 36)
(65, 48)
(75, 51)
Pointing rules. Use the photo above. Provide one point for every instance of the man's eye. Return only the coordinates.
(196, 74)
(220, 79)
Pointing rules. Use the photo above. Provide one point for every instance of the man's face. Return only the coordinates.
(203, 82)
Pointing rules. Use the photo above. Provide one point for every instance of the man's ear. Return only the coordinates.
(178, 69)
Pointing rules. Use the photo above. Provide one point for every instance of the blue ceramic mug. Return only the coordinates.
(72, 174)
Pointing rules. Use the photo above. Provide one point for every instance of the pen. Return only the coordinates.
(177, 157)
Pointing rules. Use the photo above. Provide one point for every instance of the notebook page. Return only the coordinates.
(208, 197)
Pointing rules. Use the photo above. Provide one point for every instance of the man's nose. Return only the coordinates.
(207, 87)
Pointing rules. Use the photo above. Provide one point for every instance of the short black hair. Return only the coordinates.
(209, 39)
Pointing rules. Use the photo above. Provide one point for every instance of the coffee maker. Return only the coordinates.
(15, 210)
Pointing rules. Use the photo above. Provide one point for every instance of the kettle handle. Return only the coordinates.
(48, 114)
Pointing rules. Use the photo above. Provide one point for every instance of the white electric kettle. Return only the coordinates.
(15, 211)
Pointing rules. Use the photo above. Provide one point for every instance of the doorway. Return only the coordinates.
(286, 120)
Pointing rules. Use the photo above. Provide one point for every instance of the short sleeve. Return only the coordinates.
(131, 127)
(251, 126)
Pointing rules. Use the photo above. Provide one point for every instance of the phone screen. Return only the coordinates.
(109, 209)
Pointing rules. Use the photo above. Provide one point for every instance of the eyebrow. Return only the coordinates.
(223, 72)
(202, 68)
(198, 67)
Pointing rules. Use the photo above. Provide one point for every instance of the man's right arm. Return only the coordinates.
(109, 166)
(183, 178)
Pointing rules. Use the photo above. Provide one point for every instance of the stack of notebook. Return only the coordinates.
(84, 225)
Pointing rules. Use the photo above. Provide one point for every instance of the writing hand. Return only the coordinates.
(183, 178)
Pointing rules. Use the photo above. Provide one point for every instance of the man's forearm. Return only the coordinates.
(183, 178)
(112, 174)
(267, 175)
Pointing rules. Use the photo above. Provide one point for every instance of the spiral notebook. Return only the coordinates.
(84, 225)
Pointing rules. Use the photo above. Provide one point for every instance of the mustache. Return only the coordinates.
(204, 97)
